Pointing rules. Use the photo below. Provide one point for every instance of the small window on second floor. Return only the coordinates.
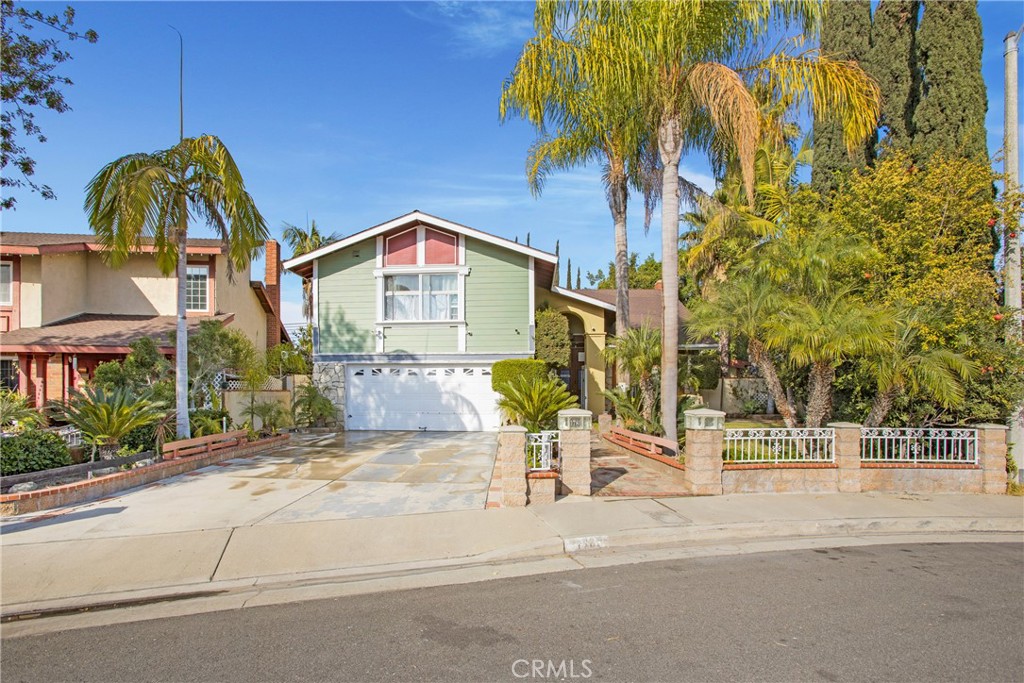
(6, 280)
(197, 288)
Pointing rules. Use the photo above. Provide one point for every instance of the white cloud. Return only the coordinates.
(480, 28)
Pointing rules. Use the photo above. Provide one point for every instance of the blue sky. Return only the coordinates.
(349, 113)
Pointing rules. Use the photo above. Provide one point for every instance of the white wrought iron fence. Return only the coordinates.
(924, 445)
(779, 445)
(541, 450)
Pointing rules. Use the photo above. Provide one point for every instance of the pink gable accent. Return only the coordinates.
(400, 250)
(441, 248)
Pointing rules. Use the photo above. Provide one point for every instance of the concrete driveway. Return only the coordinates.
(349, 475)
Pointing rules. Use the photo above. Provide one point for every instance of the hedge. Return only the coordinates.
(506, 370)
(32, 452)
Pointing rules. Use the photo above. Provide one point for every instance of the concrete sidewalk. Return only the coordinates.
(46, 569)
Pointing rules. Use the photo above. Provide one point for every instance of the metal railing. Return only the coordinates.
(72, 436)
(779, 445)
(541, 450)
(911, 444)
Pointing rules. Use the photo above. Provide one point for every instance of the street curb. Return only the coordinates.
(554, 549)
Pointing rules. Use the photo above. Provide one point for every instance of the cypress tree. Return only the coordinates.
(568, 274)
(845, 34)
(893, 63)
(951, 115)
(579, 280)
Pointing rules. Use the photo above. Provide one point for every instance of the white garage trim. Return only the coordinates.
(440, 397)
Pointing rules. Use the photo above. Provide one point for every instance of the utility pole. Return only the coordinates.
(1011, 282)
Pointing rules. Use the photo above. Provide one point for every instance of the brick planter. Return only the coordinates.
(90, 489)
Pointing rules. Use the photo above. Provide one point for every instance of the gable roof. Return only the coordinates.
(296, 264)
(96, 332)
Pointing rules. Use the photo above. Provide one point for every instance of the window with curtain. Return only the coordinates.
(427, 296)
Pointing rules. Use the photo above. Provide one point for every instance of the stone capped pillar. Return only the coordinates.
(847, 452)
(992, 457)
(512, 461)
(705, 433)
(574, 427)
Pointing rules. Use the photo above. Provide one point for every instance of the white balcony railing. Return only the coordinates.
(919, 445)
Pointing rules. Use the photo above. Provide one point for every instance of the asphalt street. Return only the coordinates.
(923, 612)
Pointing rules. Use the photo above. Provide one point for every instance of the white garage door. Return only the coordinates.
(442, 398)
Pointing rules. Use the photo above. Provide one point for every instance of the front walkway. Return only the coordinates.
(617, 473)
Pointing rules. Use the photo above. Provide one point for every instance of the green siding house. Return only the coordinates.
(410, 315)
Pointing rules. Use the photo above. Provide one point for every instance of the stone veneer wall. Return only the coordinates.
(918, 479)
(330, 379)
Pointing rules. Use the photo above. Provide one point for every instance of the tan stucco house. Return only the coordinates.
(63, 310)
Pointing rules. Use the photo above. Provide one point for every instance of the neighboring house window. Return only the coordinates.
(426, 296)
(6, 283)
(440, 248)
(197, 285)
(401, 249)
(9, 373)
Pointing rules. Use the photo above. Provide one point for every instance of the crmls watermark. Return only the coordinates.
(550, 669)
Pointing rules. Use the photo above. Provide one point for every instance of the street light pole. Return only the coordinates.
(1011, 281)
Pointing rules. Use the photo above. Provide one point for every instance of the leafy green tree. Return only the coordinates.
(893, 63)
(214, 348)
(845, 34)
(302, 241)
(552, 337)
(144, 368)
(951, 114)
(689, 67)
(154, 194)
(641, 275)
(30, 83)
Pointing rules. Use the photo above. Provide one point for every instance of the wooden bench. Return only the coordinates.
(204, 444)
(644, 444)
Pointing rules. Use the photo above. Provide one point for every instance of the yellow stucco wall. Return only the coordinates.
(136, 288)
(31, 291)
(63, 296)
(240, 299)
(592, 318)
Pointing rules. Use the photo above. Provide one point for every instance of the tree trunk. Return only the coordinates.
(181, 340)
(647, 398)
(771, 377)
(618, 196)
(723, 352)
(307, 299)
(881, 406)
(819, 394)
(670, 148)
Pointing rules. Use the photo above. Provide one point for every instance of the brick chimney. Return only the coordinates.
(658, 286)
(272, 281)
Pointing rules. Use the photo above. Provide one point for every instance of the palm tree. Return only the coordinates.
(690, 66)
(153, 195)
(302, 241)
(105, 417)
(906, 366)
(591, 121)
(639, 352)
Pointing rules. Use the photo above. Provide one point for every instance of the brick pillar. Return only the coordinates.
(39, 379)
(512, 461)
(272, 280)
(705, 433)
(604, 423)
(26, 385)
(574, 450)
(992, 457)
(848, 455)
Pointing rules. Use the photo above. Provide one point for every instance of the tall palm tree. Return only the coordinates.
(153, 195)
(579, 123)
(302, 241)
(690, 65)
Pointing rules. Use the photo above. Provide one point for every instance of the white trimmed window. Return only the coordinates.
(422, 296)
(197, 288)
(6, 283)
